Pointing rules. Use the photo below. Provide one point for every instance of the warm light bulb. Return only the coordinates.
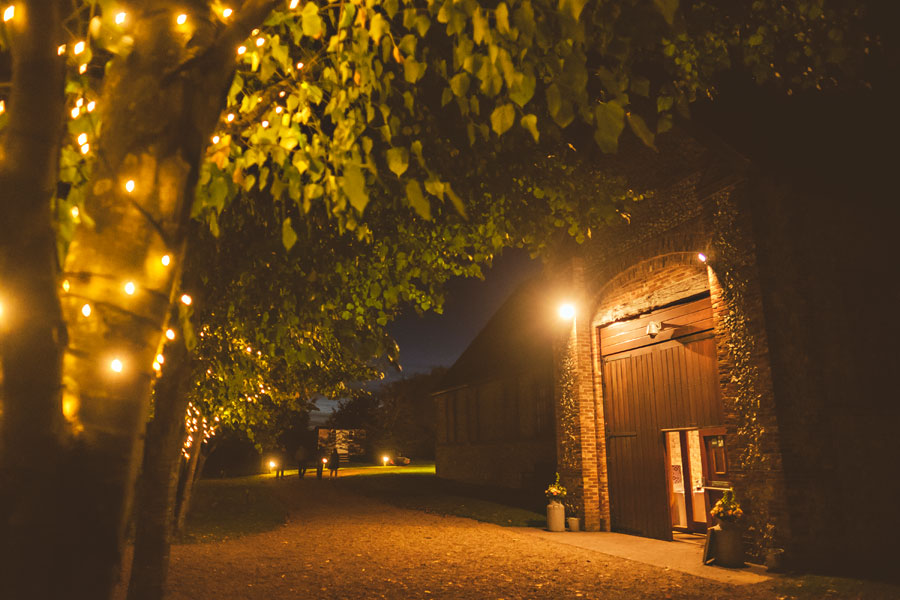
(271, 464)
(79, 48)
(65, 285)
(227, 12)
(260, 41)
(83, 69)
(566, 311)
(165, 260)
(265, 124)
(241, 50)
(294, 4)
(230, 117)
(299, 65)
(120, 18)
(82, 139)
(701, 257)
(186, 300)
(156, 366)
(116, 365)
(181, 19)
(9, 13)
(86, 310)
(91, 105)
(281, 94)
(215, 139)
(160, 359)
(85, 148)
(170, 334)
(75, 112)
(129, 186)
(75, 212)
(278, 110)
(130, 288)
(61, 49)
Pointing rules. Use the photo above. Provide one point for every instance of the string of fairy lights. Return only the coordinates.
(198, 427)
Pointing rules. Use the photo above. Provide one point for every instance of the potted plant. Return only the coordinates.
(728, 548)
(556, 512)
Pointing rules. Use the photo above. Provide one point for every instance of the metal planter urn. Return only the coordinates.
(556, 516)
(728, 546)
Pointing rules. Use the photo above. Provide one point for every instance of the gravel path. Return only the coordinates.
(338, 544)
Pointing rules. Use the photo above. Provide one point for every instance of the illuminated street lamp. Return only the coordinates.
(567, 311)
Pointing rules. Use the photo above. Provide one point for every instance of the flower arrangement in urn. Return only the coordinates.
(555, 492)
(727, 509)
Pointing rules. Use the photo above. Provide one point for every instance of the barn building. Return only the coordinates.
(720, 340)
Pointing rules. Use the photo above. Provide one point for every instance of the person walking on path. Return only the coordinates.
(334, 462)
(300, 455)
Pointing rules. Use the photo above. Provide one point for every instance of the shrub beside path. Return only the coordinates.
(338, 544)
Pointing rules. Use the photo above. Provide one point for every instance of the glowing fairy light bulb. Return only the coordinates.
(120, 18)
(75, 112)
(227, 12)
(255, 31)
(129, 186)
(230, 117)
(2, 106)
(170, 334)
(160, 359)
(116, 365)
(85, 148)
(156, 367)
(65, 285)
(61, 49)
(86, 310)
(181, 19)
(82, 139)
(79, 103)
(299, 65)
(165, 260)
(260, 41)
(79, 48)
(9, 13)
(186, 300)
(281, 94)
(294, 4)
(215, 139)
(278, 110)
(241, 50)
(83, 69)
(265, 124)
(75, 212)
(130, 288)
(91, 105)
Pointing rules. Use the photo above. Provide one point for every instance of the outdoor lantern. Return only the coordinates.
(566, 311)
(701, 257)
(272, 464)
(384, 460)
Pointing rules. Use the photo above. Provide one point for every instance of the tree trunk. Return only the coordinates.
(65, 507)
(32, 334)
(155, 502)
(189, 480)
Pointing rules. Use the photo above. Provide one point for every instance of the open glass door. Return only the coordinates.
(684, 462)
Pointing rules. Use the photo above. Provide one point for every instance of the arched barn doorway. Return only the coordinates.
(663, 412)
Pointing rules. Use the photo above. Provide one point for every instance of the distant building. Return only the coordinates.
(720, 340)
(349, 442)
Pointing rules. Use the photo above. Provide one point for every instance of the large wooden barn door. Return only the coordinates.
(652, 383)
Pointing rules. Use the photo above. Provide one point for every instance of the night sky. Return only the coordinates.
(433, 340)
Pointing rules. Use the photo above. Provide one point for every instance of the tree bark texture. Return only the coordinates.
(190, 478)
(158, 482)
(32, 333)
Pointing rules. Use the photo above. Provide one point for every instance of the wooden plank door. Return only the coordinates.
(666, 384)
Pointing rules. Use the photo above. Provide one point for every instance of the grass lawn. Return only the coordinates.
(228, 508)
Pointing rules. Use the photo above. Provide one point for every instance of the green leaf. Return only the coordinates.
(377, 27)
(523, 89)
(501, 13)
(355, 188)
(312, 22)
(667, 9)
(609, 118)
(503, 118)
(417, 200)
(639, 127)
(459, 83)
(529, 122)
(288, 235)
(572, 7)
(398, 160)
